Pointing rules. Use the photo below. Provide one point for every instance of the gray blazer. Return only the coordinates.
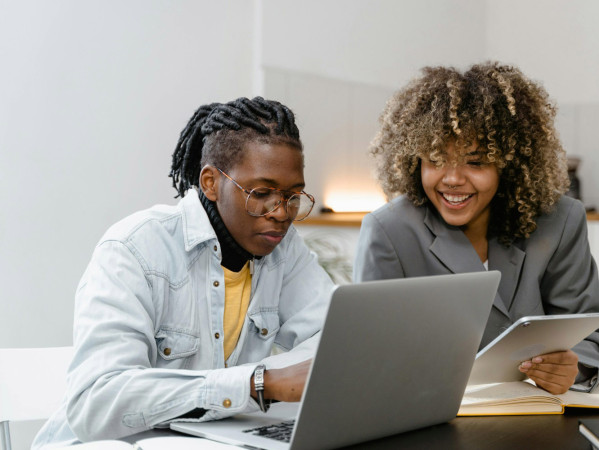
(552, 272)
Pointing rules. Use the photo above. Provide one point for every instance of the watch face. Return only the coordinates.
(259, 377)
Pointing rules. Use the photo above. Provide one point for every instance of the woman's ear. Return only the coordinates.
(209, 178)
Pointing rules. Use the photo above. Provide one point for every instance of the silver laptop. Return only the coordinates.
(394, 355)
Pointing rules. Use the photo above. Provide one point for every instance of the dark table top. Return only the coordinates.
(542, 432)
(495, 432)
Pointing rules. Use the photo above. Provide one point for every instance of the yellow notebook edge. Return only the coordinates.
(527, 413)
(524, 413)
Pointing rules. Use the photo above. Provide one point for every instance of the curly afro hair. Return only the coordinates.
(496, 106)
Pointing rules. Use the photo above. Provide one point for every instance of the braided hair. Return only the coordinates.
(217, 133)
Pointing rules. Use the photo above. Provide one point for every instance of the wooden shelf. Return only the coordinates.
(354, 219)
(341, 219)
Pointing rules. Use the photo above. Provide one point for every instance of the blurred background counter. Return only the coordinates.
(333, 236)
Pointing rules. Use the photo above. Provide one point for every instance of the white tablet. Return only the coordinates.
(529, 336)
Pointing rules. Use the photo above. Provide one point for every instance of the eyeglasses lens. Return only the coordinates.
(263, 201)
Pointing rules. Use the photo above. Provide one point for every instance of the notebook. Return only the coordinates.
(394, 355)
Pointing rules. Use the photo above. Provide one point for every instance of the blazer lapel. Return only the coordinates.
(451, 246)
(509, 261)
(454, 250)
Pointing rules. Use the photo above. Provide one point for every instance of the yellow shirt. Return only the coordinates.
(238, 286)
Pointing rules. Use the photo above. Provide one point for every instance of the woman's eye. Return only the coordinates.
(476, 163)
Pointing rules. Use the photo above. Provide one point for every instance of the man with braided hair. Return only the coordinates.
(181, 305)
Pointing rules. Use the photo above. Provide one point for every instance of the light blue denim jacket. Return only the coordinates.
(149, 325)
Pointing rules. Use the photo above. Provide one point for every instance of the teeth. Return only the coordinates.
(455, 198)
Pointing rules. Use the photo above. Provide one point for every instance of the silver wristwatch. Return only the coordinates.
(259, 386)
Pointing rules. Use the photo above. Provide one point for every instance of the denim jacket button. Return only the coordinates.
(227, 403)
(263, 331)
(215, 248)
(167, 351)
(217, 335)
(216, 283)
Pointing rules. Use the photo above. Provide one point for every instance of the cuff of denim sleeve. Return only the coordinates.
(228, 391)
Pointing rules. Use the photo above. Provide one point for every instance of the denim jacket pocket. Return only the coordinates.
(265, 324)
(175, 344)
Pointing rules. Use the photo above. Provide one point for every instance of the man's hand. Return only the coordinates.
(554, 372)
(286, 384)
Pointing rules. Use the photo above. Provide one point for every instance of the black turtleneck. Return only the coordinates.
(234, 256)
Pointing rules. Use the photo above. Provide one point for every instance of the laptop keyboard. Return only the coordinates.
(280, 431)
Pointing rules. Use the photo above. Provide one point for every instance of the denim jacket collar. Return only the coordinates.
(198, 229)
(196, 224)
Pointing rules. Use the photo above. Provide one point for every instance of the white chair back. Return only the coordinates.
(32, 385)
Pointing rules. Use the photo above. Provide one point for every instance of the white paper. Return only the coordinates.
(180, 443)
(101, 445)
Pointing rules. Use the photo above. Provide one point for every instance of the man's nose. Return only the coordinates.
(280, 211)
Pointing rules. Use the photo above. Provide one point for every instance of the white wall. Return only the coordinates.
(377, 42)
(336, 62)
(557, 43)
(337, 119)
(577, 124)
(332, 61)
(386, 42)
(93, 96)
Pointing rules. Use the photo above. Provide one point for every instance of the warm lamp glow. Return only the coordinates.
(347, 201)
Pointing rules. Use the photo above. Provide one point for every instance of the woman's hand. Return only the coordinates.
(286, 384)
(554, 372)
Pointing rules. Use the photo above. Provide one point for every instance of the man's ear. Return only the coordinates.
(209, 179)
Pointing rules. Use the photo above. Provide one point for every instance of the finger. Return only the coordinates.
(550, 372)
(567, 370)
(566, 357)
(554, 377)
(551, 387)
(552, 382)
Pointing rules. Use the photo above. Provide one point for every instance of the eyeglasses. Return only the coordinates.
(261, 201)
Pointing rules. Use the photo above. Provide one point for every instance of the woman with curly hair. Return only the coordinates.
(476, 176)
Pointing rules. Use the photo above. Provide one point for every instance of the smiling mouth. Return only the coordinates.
(455, 199)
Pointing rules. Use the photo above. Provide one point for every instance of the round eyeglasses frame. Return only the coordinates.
(285, 196)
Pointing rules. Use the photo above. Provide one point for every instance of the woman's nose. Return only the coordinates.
(453, 175)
